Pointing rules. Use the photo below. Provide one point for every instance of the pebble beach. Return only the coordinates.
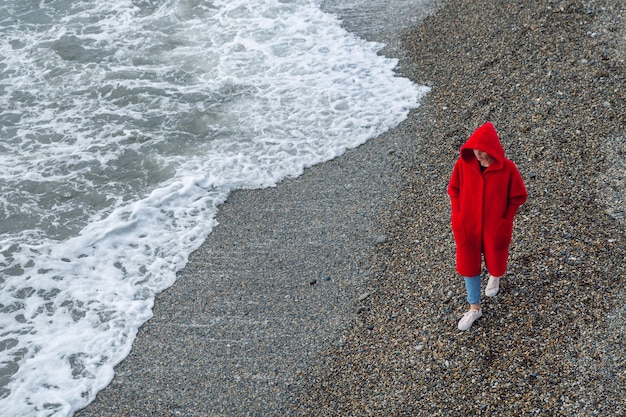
(551, 77)
(335, 293)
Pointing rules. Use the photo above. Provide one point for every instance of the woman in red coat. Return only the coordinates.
(485, 190)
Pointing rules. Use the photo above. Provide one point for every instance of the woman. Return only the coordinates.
(485, 190)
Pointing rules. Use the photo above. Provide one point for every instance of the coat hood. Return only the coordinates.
(485, 138)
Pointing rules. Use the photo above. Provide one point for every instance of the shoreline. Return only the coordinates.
(368, 327)
(276, 283)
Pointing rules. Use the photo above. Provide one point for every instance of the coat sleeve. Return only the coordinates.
(454, 188)
(517, 193)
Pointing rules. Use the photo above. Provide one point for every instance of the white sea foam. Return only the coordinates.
(123, 126)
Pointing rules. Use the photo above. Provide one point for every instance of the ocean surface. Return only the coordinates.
(124, 124)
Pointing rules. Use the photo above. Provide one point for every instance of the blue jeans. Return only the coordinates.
(472, 284)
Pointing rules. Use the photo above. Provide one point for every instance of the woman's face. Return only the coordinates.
(483, 157)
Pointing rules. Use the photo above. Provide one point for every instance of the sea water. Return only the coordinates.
(124, 124)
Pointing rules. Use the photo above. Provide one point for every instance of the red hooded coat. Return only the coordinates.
(484, 204)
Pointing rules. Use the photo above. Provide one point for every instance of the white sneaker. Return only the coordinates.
(469, 318)
(493, 286)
